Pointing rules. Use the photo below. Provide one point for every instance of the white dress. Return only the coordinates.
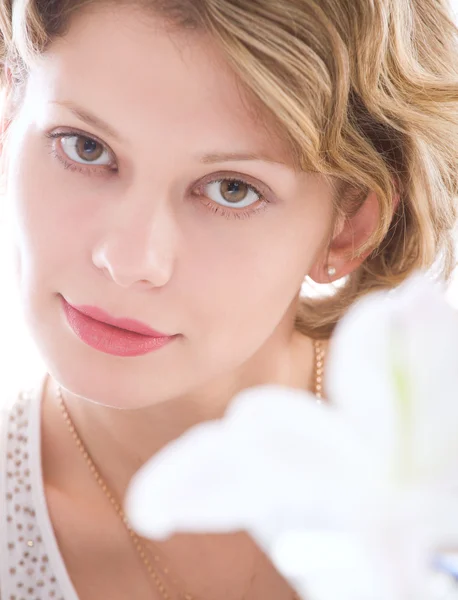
(31, 565)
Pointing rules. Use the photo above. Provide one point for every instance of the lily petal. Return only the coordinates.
(276, 460)
(429, 329)
(413, 330)
(329, 565)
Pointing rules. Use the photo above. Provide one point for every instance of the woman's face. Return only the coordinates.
(143, 184)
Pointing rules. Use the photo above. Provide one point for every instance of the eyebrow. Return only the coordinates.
(90, 119)
(216, 157)
(213, 157)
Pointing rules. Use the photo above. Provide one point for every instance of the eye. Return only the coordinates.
(232, 193)
(85, 150)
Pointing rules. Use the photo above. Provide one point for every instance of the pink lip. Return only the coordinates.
(117, 336)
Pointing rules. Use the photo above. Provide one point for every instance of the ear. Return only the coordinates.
(350, 234)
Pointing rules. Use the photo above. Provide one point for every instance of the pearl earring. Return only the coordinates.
(332, 271)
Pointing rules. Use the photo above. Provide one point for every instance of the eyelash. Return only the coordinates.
(210, 205)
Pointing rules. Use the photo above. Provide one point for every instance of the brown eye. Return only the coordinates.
(88, 149)
(85, 150)
(232, 192)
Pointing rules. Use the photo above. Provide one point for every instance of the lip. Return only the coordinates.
(117, 336)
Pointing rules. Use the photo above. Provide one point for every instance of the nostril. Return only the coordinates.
(144, 283)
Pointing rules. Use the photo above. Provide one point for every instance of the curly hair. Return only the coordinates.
(365, 92)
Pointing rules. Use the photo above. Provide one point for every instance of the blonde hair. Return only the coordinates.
(365, 92)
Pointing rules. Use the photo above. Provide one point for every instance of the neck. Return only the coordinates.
(121, 441)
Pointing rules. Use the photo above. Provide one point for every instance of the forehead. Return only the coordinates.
(129, 69)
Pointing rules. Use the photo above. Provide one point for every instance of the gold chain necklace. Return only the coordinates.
(139, 546)
(319, 370)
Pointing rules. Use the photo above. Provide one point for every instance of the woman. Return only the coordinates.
(175, 169)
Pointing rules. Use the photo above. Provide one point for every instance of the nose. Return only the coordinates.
(137, 247)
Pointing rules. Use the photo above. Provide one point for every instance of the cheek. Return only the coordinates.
(49, 216)
(242, 283)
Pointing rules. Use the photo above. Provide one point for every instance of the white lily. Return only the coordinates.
(352, 501)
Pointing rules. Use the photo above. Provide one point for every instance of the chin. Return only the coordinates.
(118, 382)
(112, 387)
(106, 379)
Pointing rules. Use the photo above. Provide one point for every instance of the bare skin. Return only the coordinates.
(143, 235)
(101, 559)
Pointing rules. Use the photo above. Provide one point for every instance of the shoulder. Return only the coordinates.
(12, 407)
(14, 402)
(18, 424)
(13, 423)
(19, 418)
(10, 404)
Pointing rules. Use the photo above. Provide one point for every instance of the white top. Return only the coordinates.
(31, 565)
